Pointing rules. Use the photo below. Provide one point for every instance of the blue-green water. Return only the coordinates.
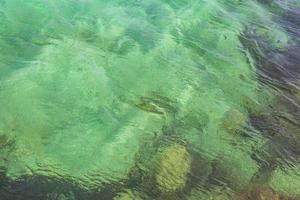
(149, 99)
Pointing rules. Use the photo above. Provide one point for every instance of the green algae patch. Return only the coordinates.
(287, 181)
(233, 121)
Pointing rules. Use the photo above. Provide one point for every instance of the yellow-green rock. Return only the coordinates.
(173, 168)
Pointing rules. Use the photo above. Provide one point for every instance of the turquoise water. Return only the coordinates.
(149, 99)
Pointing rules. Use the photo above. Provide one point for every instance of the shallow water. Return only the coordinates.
(149, 99)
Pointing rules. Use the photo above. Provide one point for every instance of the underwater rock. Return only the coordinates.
(129, 195)
(149, 108)
(156, 104)
(173, 168)
(214, 193)
(261, 193)
(233, 170)
(280, 126)
(7, 145)
(281, 66)
(6, 142)
(199, 176)
(233, 120)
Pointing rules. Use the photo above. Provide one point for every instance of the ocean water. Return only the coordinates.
(149, 99)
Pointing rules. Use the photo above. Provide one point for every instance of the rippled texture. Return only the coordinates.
(150, 99)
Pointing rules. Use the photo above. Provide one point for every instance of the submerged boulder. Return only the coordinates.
(173, 168)
(234, 120)
(129, 195)
(261, 193)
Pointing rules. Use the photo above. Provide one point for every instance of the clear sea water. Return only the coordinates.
(149, 99)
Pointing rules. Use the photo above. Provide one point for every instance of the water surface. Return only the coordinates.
(149, 99)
